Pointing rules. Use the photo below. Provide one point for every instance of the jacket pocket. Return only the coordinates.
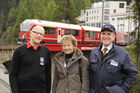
(112, 67)
(115, 89)
(94, 65)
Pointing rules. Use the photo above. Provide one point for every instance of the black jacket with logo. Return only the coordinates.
(27, 75)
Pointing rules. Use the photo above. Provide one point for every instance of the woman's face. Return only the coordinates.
(67, 46)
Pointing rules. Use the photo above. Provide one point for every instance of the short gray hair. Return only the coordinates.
(69, 37)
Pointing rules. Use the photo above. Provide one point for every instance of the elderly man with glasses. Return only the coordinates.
(31, 65)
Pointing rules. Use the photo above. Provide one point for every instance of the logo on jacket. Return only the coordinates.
(41, 61)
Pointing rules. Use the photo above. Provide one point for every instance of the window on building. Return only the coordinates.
(121, 24)
(106, 18)
(113, 19)
(87, 13)
(119, 18)
(87, 18)
(97, 11)
(121, 5)
(49, 30)
(106, 11)
(94, 17)
(99, 24)
(107, 5)
(94, 24)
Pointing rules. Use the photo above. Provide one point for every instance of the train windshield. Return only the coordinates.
(25, 26)
(50, 31)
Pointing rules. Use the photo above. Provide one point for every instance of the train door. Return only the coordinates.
(58, 35)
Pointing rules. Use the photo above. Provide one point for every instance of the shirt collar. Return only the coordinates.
(30, 46)
(108, 48)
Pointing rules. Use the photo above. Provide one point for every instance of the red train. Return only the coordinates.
(87, 37)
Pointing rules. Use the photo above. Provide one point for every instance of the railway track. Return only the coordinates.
(8, 46)
(4, 81)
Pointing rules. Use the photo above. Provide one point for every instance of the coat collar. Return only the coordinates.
(59, 59)
(76, 55)
(110, 54)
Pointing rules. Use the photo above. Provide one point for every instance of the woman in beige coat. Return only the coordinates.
(71, 68)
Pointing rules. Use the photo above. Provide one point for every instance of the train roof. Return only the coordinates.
(91, 28)
(51, 24)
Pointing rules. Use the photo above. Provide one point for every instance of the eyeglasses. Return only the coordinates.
(37, 33)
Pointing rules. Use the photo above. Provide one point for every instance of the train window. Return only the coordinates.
(87, 34)
(121, 37)
(49, 30)
(94, 35)
(73, 32)
(126, 37)
(67, 31)
(91, 34)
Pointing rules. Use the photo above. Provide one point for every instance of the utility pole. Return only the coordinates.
(102, 13)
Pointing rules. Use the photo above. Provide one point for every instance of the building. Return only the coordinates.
(117, 13)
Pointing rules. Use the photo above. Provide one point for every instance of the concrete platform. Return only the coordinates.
(4, 81)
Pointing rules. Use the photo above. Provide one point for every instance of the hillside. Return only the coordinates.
(13, 12)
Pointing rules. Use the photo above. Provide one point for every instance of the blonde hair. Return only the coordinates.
(69, 37)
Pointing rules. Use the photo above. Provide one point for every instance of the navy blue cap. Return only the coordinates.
(108, 27)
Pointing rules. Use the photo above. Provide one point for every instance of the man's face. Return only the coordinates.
(37, 34)
(107, 37)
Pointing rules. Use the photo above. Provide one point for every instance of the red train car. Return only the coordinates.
(122, 38)
(87, 37)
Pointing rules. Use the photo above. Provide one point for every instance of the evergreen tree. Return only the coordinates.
(66, 12)
(70, 13)
(22, 15)
(136, 18)
(49, 11)
(82, 5)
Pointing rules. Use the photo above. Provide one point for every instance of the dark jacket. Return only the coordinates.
(114, 73)
(67, 80)
(27, 75)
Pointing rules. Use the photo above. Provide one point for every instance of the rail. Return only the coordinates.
(4, 87)
(8, 47)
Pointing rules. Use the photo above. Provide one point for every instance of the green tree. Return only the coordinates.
(66, 12)
(136, 18)
(81, 4)
(49, 11)
(12, 16)
(22, 15)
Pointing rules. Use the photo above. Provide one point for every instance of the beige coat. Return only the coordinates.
(67, 79)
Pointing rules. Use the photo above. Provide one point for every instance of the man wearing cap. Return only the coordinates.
(31, 65)
(111, 68)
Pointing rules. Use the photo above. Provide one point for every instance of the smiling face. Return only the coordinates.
(37, 34)
(67, 46)
(107, 37)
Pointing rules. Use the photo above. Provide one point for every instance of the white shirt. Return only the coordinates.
(108, 48)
